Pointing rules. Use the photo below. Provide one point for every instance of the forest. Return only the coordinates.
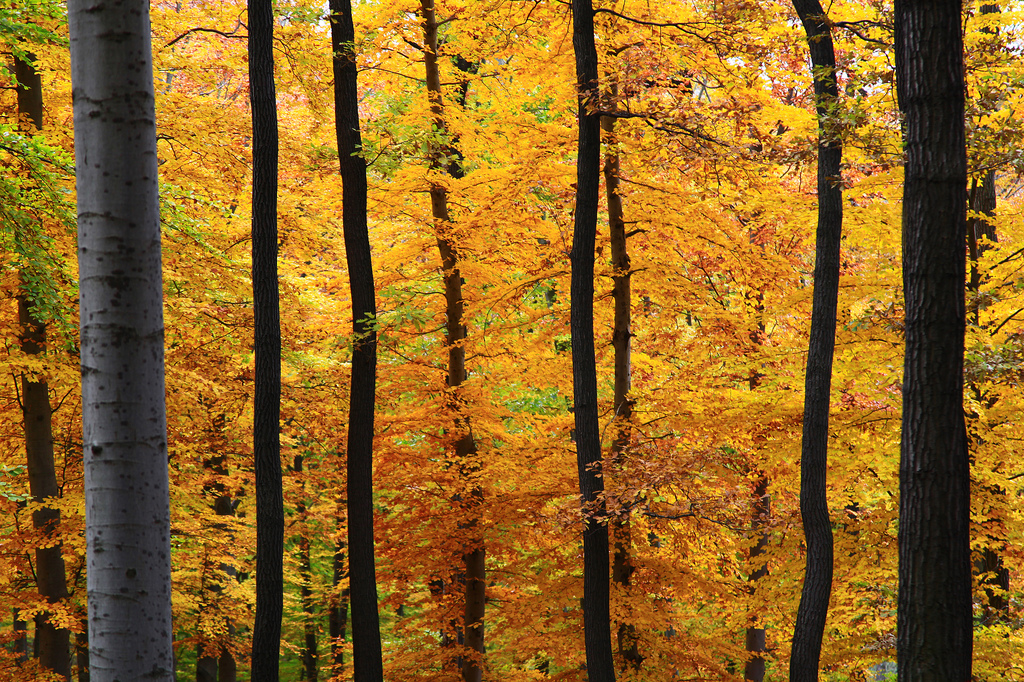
(513, 340)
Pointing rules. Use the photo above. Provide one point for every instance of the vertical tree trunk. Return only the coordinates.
(20, 647)
(82, 654)
(622, 338)
(266, 640)
(366, 645)
(934, 626)
(124, 426)
(810, 620)
(596, 611)
(756, 638)
(473, 577)
(337, 617)
(309, 649)
(51, 580)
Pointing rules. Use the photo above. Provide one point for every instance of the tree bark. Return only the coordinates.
(266, 640)
(596, 611)
(622, 338)
(473, 573)
(366, 645)
(934, 620)
(310, 654)
(51, 581)
(123, 415)
(337, 618)
(817, 589)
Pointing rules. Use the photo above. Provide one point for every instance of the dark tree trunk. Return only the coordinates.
(934, 604)
(266, 641)
(622, 338)
(337, 617)
(20, 628)
(310, 654)
(217, 663)
(756, 638)
(473, 577)
(366, 645)
(51, 642)
(596, 611)
(810, 619)
(82, 654)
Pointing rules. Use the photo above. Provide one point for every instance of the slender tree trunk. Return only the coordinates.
(756, 637)
(473, 575)
(337, 618)
(82, 654)
(366, 645)
(596, 611)
(124, 426)
(810, 619)
(622, 338)
(934, 621)
(309, 650)
(989, 562)
(52, 642)
(20, 628)
(266, 640)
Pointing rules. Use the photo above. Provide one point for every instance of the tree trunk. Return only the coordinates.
(473, 572)
(366, 645)
(309, 649)
(124, 426)
(52, 642)
(596, 611)
(622, 339)
(756, 638)
(266, 639)
(337, 617)
(934, 605)
(810, 619)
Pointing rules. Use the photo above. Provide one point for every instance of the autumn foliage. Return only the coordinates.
(716, 138)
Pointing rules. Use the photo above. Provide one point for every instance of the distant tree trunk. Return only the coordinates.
(337, 617)
(309, 650)
(934, 620)
(473, 578)
(622, 339)
(989, 562)
(51, 581)
(756, 637)
(20, 628)
(126, 489)
(366, 645)
(810, 619)
(82, 654)
(217, 665)
(596, 611)
(266, 640)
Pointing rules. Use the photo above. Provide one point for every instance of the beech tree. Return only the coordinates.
(596, 610)
(810, 620)
(934, 621)
(52, 641)
(122, 356)
(266, 640)
(366, 644)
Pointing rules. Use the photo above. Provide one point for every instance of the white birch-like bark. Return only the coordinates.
(125, 431)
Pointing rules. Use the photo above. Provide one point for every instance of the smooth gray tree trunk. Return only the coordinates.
(124, 424)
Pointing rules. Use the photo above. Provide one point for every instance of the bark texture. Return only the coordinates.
(266, 640)
(934, 603)
(51, 580)
(122, 355)
(596, 611)
(817, 589)
(473, 576)
(622, 339)
(366, 645)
